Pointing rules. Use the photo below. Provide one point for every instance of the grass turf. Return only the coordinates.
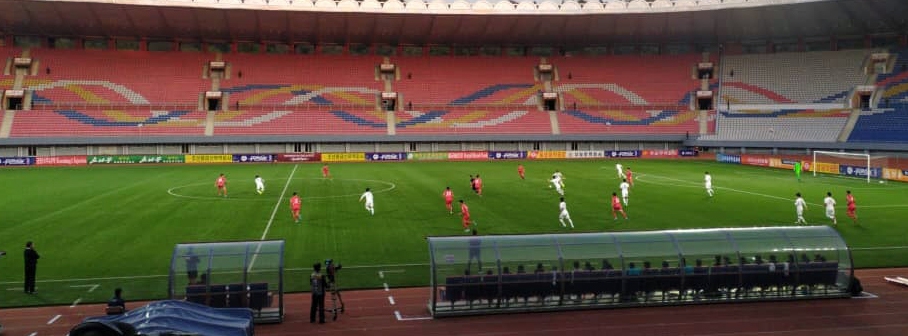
(115, 226)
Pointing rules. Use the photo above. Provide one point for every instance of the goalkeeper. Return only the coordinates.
(797, 169)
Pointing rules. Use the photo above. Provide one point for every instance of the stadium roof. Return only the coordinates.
(460, 22)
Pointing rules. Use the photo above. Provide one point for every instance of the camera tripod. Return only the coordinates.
(335, 298)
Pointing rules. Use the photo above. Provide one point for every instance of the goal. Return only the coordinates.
(858, 165)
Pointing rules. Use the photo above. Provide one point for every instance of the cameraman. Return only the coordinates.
(317, 280)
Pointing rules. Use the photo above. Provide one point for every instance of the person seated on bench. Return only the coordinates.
(588, 267)
(632, 269)
(505, 270)
(521, 269)
(539, 269)
(116, 305)
(607, 265)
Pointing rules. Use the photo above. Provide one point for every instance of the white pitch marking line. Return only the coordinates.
(401, 318)
(14, 289)
(33, 334)
(386, 286)
(75, 303)
(92, 289)
(271, 220)
(54, 319)
(391, 299)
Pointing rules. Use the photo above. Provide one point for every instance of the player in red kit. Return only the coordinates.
(449, 199)
(295, 204)
(221, 184)
(520, 172)
(465, 215)
(849, 198)
(616, 207)
(630, 176)
(477, 185)
(325, 172)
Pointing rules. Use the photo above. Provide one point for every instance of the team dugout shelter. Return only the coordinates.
(518, 273)
(243, 274)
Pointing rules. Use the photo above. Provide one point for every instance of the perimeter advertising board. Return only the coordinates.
(344, 157)
(66, 160)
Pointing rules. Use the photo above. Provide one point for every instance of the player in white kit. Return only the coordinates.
(800, 206)
(830, 207)
(259, 184)
(624, 190)
(708, 181)
(556, 182)
(370, 205)
(564, 214)
(560, 177)
(620, 171)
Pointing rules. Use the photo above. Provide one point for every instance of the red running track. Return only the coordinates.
(371, 313)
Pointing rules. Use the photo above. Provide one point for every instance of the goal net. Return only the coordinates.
(858, 165)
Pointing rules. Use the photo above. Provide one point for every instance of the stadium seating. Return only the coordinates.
(463, 120)
(888, 121)
(99, 123)
(100, 76)
(626, 80)
(274, 121)
(293, 80)
(466, 80)
(783, 125)
(671, 120)
(784, 78)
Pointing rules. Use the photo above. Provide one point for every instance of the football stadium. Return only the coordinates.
(660, 167)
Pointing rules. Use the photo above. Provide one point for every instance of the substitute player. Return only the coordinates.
(449, 199)
(325, 172)
(830, 207)
(465, 216)
(370, 205)
(221, 184)
(477, 185)
(556, 182)
(849, 199)
(800, 206)
(295, 204)
(625, 190)
(564, 214)
(630, 176)
(520, 172)
(616, 207)
(473, 183)
(620, 171)
(708, 182)
(259, 184)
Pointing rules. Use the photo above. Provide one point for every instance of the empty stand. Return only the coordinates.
(786, 78)
(293, 80)
(784, 125)
(888, 121)
(474, 120)
(98, 123)
(679, 120)
(125, 77)
(466, 80)
(626, 80)
(300, 121)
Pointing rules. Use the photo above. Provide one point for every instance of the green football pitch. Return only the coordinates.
(102, 227)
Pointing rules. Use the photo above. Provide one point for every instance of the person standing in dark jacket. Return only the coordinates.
(31, 267)
(317, 280)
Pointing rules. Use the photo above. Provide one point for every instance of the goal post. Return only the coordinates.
(859, 165)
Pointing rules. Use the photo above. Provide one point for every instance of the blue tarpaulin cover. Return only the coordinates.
(185, 317)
